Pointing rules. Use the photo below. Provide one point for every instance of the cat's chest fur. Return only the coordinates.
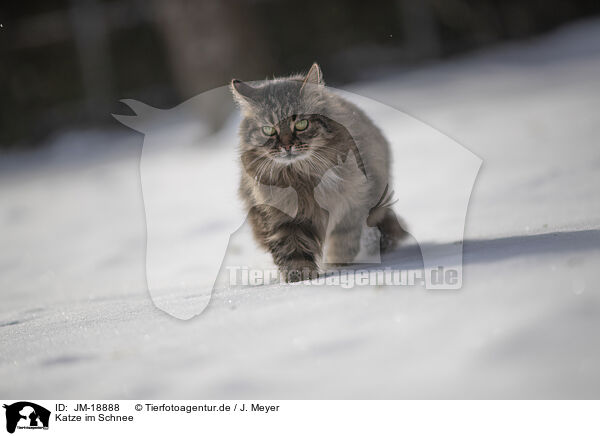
(338, 191)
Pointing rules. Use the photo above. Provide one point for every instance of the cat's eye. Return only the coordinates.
(269, 130)
(301, 125)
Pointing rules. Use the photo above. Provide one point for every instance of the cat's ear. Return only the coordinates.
(242, 92)
(314, 76)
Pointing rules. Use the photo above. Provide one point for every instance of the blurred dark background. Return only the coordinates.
(65, 64)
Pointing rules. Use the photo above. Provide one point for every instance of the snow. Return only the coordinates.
(76, 319)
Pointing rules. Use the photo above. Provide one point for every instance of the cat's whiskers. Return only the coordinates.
(254, 160)
(268, 166)
(260, 170)
(321, 160)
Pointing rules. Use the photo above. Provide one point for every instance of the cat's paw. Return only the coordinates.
(299, 271)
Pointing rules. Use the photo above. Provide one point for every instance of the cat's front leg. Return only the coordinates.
(343, 241)
(296, 247)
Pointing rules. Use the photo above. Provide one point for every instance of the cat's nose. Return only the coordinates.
(287, 147)
(285, 136)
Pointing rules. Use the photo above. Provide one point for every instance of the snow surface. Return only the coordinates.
(76, 320)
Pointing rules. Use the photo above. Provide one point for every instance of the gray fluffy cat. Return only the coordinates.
(298, 134)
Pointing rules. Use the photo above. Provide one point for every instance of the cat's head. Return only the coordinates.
(284, 119)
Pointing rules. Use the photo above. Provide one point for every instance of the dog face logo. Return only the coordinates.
(26, 415)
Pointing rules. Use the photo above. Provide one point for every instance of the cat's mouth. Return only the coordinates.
(290, 154)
